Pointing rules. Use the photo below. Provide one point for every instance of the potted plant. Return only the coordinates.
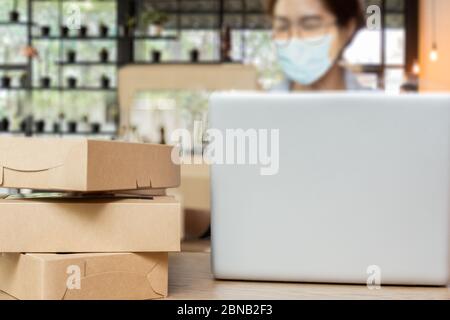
(6, 79)
(83, 32)
(57, 126)
(14, 14)
(104, 55)
(96, 128)
(84, 126)
(195, 55)
(45, 31)
(45, 80)
(71, 56)
(23, 80)
(105, 82)
(72, 127)
(154, 20)
(4, 125)
(26, 126)
(72, 82)
(104, 29)
(156, 56)
(64, 31)
(23, 126)
(39, 126)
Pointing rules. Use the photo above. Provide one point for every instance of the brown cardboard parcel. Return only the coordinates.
(84, 165)
(95, 225)
(84, 276)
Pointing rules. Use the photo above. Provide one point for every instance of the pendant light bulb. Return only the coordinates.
(434, 55)
(416, 68)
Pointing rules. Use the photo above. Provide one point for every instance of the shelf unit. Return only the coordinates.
(124, 43)
(176, 9)
(13, 66)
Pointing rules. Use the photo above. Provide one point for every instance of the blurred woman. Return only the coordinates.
(310, 37)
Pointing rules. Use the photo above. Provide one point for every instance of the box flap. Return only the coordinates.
(107, 276)
(36, 155)
(131, 166)
(114, 286)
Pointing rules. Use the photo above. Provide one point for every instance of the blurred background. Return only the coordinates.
(138, 69)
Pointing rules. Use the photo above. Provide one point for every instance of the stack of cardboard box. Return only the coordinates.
(100, 225)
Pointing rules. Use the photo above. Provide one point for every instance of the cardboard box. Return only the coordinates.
(84, 276)
(90, 225)
(85, 165)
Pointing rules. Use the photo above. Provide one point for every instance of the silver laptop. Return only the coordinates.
(356, 191)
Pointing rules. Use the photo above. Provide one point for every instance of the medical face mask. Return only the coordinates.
(303, 61)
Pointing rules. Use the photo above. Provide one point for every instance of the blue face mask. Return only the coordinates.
(303, 61)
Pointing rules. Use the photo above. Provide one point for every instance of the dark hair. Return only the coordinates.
(344, 10)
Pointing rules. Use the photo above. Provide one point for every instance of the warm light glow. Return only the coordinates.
(434, 55)
(416, 68)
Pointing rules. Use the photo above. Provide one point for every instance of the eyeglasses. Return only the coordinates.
(312, 29)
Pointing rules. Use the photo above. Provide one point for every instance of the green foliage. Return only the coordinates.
(154, 17)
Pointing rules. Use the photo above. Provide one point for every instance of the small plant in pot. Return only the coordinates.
(83, 31)
(23, 80)
(23, 125)
(72, 127)
(4, 125)
(45, 31)
(105, 82)
(96, 128)
(84, 126)
(71, 56)
(104, 29)
(26, 126)
(154, 21)
(14, 15)
(46, 82)
(6, 81)
(104, 55)
(39, 126)
(64, 31)
(195, 55)
(45, 79)
(156, 56)
(57, 125)
(71, 82)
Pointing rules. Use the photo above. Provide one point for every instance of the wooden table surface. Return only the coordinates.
(190, 278)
